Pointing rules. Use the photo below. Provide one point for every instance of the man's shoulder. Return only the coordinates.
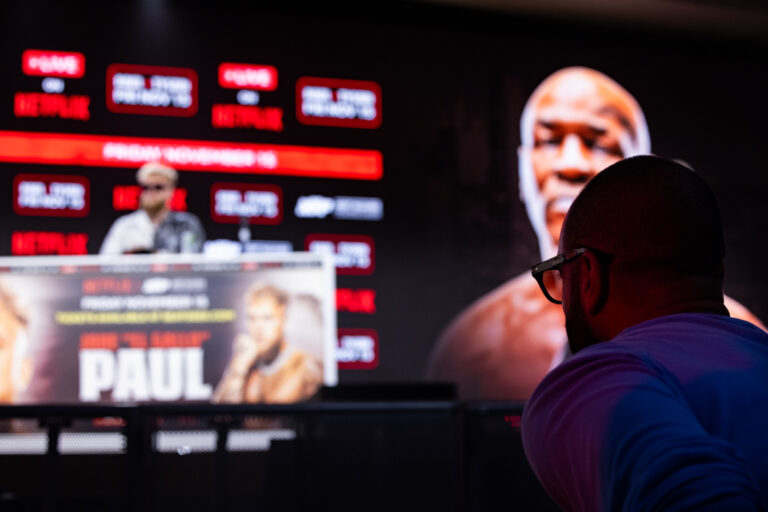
(518, 298)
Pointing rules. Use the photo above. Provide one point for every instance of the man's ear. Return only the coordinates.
(594, 287)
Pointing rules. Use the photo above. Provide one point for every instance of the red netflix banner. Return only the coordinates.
(41, 104)
(247, 76)
(358, 349)
(50, 63)
(247, 116)
(51, 195)
(260, 204)
(334, 102)
(153, 90)
(126, 197)
(190, 155)
(44, 243)
(353, 254)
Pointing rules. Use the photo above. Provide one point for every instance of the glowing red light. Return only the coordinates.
(190, 155)
(38, 243)
(246, 116)
(50, 63)
(126, 197)
(247, 76)
(40, 104)
(356, 301)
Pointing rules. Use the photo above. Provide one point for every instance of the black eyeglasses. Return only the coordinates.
(153, 188)
(547, 274)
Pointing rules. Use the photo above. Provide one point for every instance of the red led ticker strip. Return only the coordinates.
(190, 155)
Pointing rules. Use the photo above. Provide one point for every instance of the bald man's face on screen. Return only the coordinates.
(579, 123)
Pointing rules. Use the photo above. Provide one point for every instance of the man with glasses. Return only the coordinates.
(154, 227)
(664, 404)
(577, 122)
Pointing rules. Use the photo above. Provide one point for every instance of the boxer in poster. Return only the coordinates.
(265, 367)
(15, 363)
(577, 122)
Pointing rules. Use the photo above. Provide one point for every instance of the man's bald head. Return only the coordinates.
(655, 247)
(651, 215)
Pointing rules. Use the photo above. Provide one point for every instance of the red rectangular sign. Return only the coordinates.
(260, 204)
(247, 116)
(51, 195)
(190, 155)
(247, 76)
(126, 197)
(356, 301)
(357, 349)
(41, 104)
(334, 102)
(51, 63)
(39, 243)
(353, 254)
(153, 90)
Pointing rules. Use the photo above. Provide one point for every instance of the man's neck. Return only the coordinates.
(157, 217)
(270, 356)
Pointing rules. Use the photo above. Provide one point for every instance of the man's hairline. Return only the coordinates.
(530, 193)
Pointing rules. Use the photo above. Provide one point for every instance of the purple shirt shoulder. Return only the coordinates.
(672, 414)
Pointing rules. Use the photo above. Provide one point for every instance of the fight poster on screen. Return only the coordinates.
(138, 329)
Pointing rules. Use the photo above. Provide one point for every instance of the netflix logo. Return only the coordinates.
(41, 243)
(51, 195)
(246, 116)
(40, 104)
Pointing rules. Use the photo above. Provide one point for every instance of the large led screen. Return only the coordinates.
(433, 152)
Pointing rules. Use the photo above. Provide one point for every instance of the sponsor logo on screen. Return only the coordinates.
(353, 254)
(246, 116)
(342, 207)
(41, 104)
(260, 204)
(358, 349)
(151, 90)
(126, 197)
(52, 63)
(247, 76)
(42, 243)
(229, 248)
(51, 195)
(334, 102)
(356, 301)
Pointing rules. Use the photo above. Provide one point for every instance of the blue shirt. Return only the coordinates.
(671, 414)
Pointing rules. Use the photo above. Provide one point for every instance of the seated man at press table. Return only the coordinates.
(664, 404)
